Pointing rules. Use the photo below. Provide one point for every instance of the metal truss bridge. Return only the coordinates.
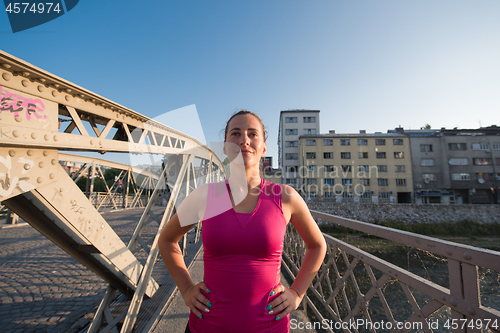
(44, 118)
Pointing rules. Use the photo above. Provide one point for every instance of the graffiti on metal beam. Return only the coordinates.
(9, 183)
(16, 104)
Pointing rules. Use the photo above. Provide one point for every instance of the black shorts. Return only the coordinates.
(187, 328)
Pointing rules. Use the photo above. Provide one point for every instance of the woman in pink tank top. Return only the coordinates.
(244, 221)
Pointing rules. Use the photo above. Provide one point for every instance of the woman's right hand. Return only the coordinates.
(195, 300)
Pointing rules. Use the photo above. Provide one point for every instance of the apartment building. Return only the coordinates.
(359, 167)
(455, 165)
(293, 124)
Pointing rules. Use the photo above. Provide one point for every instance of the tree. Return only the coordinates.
(426, 127)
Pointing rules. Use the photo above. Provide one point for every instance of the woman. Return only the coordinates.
(244, 221)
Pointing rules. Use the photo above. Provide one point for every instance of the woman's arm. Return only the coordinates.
(168, 243)
(296, 211)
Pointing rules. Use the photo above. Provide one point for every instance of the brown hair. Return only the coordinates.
(243, 112)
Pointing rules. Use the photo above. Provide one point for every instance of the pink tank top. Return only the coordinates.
(242, 259)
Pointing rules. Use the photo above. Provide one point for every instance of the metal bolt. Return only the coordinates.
(6, 76)
(54, 161)
(33, 135)
(18, 119)
(41, 165)
(467, 255)
(449, 252)
(453, 302)
(471, 310)
(46, 137)
(26, 74)
(41, 88)
(443, 297)
(16, 133)
(12, 153)
(27, 166)
(68, 90)
(67, 98)
(30, 152)
(25, 83)
(54, 93)
(39, 180)
(91, 142)
(45, 153)
(56, 138)
(51, 176)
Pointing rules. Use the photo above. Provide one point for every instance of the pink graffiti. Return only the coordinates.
(15, 104)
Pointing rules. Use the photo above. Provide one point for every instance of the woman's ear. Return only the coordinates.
(264, 150)
(224, 148)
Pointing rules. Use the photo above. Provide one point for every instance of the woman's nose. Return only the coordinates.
(244, 140)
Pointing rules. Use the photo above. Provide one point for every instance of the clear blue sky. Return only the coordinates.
(370, 65)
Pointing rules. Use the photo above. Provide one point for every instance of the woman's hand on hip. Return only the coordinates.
(195, 300)
(286, 302)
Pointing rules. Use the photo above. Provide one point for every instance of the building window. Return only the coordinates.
(312, 194)
(291, 168)
(327, 142)
(480, 146)
(365, 182)
(291, 131)
(382, 168)
(312, 168)
(327, 155)
(328, 168)
(460, 176)
(399, 154)
(429, 177)
(346, 181)
(400, 182)
(345, 142)
(427, 162)
(457, 146)
(486, 176)
(309, 131)
(309, 119)
(425, 148)
(291, 156)
(397, 142)
(291, 181)
(362, 142)
(399, 168)
(380, 142)
(366, 195)
(496, 146)
(380, 155)
(311, 155)
(363, 155)
(329, 181)
(312, 181)
(310, 142)
(481, 161)
(384, 195)
(291, 143)
(497, 160)
(345, 155)
(346, 168)
(328, 195)
(347, 195)
(458, 161)
(363, 168)
(290, 119)
(383, 182)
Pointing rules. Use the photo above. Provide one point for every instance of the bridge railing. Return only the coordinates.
(357, 291)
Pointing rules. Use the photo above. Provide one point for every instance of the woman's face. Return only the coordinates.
(245, 135)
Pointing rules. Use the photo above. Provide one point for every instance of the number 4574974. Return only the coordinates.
(36, 8)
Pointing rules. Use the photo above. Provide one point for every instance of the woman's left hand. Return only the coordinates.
(286, 302)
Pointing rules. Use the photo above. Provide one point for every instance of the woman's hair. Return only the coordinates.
(243, 112)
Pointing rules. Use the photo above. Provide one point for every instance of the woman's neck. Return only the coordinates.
(244, 183)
